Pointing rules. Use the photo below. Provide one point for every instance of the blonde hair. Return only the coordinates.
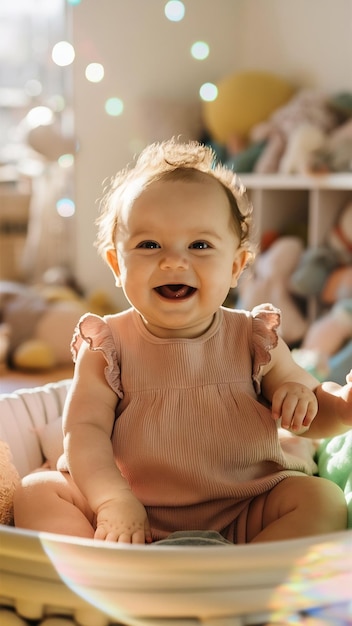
(171, 160)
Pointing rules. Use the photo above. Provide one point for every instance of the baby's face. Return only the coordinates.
(177, 255)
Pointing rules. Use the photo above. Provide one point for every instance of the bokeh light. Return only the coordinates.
(94, 72)
(305, 582)
(208, 92)
(65, 207)
(66, 160)
(200, 50)
(57, 102)
(63, 53)
(114, 106)
(39, 116)
(73, 2)
(174, 10)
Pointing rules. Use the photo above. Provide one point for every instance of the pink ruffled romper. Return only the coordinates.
(191, 435)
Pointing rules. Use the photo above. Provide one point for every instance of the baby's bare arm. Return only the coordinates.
(335, 409)
(304, 404)
(88, 422)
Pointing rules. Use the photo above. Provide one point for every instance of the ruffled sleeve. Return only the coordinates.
(95, 331)
(266, 321)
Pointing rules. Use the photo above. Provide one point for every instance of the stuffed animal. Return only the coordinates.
(303, 141)
(335, 153)
(38, 320)
(8, 617)
(9, 479)
(340, 237)
(338, 286)
(334, 463)
(326, 350)
(293, 132)
(39, 328)
(326, 269)
(267, 281)
(328, 334)
(326, 272)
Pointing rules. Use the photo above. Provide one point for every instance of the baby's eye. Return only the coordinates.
(200, 245)
(148, 245)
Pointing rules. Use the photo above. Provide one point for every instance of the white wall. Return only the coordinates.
(308, 41)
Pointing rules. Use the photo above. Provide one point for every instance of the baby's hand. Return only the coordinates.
(344, 408)
(347, 396)
(123, 519)
(296, 405)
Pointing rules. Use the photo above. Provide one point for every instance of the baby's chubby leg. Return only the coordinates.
(50, 501)
(300, 507)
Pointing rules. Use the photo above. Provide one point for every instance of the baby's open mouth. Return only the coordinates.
(175, 292)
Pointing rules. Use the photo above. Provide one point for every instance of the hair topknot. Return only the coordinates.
(158, 161)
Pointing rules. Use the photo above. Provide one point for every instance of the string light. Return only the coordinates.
(66, 160)
(200, 50)
(63, 53)
(39, 116)
(94, 72)
(174, 10)
(208, 92)
(65, 207)
(114, 106)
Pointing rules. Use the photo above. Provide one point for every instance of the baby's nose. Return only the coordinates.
(174, 260)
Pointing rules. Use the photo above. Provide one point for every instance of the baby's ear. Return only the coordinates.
(111, 259)
(241, 259)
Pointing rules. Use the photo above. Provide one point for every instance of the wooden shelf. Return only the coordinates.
(308, 206)
(341, 180)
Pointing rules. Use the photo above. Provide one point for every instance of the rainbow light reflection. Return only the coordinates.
(132, 583)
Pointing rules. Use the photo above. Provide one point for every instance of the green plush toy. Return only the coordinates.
(334, 460)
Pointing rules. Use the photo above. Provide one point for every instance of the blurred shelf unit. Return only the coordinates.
(295, 205)
(282, 202)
